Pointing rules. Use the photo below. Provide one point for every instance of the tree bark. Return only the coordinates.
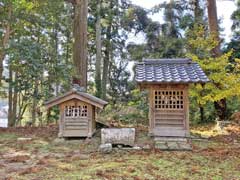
(107, 52)
(34, 102)
(213, 25)
(201, 109)
(21, 109)
(15, 101)
(80, 41)
(105, 74)
(221, 105)
(11, 122)
(5, 41)
(55, 35)
(221, 109)
(98, 51)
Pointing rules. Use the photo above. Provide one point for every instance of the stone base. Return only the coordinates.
(116, 136)
(174, 144)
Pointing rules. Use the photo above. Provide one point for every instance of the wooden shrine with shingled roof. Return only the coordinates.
(168, 82)
(77, 112)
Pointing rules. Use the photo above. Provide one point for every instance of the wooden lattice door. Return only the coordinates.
(76, 120)
(169, 108)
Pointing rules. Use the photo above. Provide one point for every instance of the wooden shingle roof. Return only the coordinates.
(76, 94)
(169, 71)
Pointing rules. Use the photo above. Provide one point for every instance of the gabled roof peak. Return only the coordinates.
(76, 94)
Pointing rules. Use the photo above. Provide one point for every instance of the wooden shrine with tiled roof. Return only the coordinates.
(168, 82)
(77, 112)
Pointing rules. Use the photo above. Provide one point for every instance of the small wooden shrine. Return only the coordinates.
(168, 82)
(77, 113)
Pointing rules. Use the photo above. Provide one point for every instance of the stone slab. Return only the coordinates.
(169, 144)
(161, 145)
(123, 136)
(105, 148)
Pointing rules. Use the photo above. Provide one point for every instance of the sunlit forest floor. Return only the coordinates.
(44, 157)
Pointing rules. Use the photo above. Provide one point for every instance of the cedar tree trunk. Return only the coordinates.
(221, 105)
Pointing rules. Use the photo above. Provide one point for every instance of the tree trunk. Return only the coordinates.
(105, 74)
(48, 116)
(80, 41)
(2, 56)
(107, 52)
(98, 50)
(4, 41)
(68, 41)
(221, 105)
(213, 25)
(55, 35)
(11, 122)
(22, 107)
(15, 101)
(201, 109)
(221, 109)
(34, 102)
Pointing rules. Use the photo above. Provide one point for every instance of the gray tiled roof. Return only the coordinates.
(169, 71)
(76, 91)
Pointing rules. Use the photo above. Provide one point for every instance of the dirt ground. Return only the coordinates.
(45, 157)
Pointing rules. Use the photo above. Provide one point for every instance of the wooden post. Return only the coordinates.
(151, 112)
(93, 119)
(187, 110)
(61, 121)
(90, 115)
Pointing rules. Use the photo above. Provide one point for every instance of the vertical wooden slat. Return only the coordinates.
(90, 123)
(151, 109)
(166, 114)
(75, 125)
(93, 118)
(187, 109)
(184, 106)
(61, 120)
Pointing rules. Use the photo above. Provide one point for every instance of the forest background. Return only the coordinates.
(37, 55)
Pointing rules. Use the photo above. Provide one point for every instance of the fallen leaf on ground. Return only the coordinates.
(19, 158)
(30, 170)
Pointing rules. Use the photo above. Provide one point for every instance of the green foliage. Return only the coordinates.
(236, 20)
(120, 86)
(165, 39)
(135, 111)
(234, 44)
(39, 53)
(224, 76)
(194, 113)
(140, 100)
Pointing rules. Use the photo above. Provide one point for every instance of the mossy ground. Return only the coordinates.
(43, 158)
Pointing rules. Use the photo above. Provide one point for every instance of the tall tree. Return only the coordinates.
(213, 25)
(108, 50)
(221, 105)
(6, 10)
(80, 41)
(98, 51)
(198, 23)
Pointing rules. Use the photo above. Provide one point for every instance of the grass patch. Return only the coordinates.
(210, 159)
(5, 137)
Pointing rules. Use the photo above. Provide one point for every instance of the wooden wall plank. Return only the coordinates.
(168, 117)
